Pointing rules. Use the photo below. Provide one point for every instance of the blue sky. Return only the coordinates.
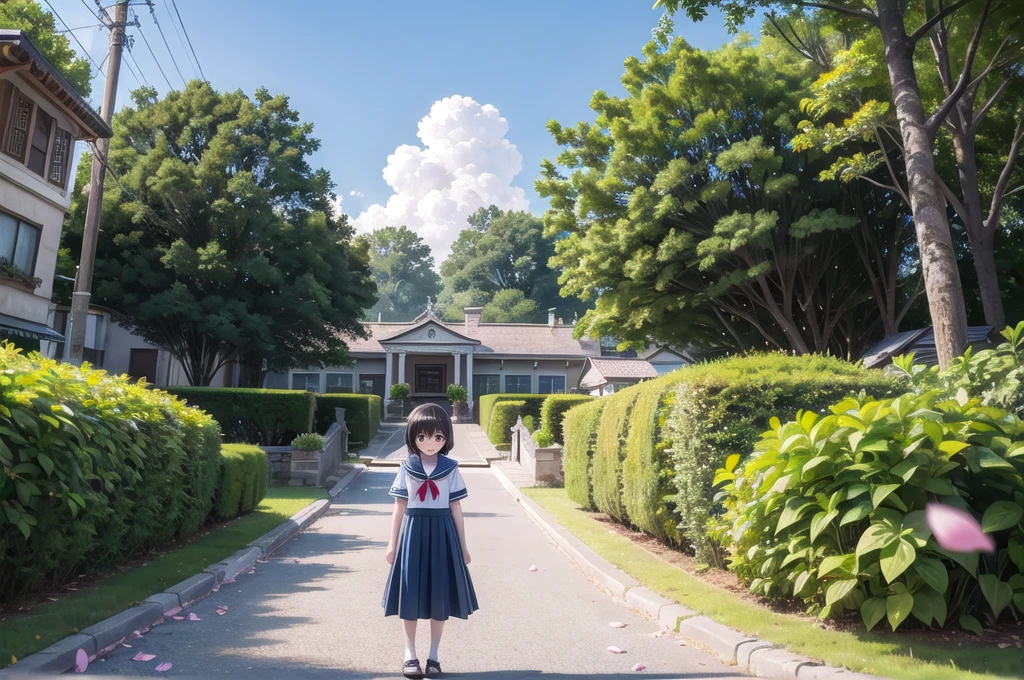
(366, 73)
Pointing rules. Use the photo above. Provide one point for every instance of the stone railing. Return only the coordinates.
(543, 462)
(311, 467)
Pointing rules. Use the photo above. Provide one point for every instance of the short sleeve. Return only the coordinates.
(399, 488)
(457, 490)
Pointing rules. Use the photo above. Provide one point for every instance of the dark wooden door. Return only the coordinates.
(142, 364)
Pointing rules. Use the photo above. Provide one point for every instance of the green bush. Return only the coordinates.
(543, 439)
(996, 376)
(399, 391)
(831, 510)
(722, 407)
(503, 418)
(528, 422)
(609, 453)
(308, 442)
(456, 394)
(96, 470)
(553, 410)
(362, 414)
(533, 405)
(243, 480)
(254, 416)
(580, 424)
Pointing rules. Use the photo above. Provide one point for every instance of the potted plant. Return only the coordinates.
(457, 395)
(399, 393)
(306, 453)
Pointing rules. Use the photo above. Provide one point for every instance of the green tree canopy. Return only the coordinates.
(403, 270)
(509, 306)
(217, 239)
(41, 29)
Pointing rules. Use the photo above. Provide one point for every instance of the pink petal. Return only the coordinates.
(639, 667)
(533, 567)
(142, 656)
(297, 560)
(957, 530)
(81, 661)
(124, 645)
(178, 618)
(617, 624)
(615, 650)
(192, 617)
(165, 666)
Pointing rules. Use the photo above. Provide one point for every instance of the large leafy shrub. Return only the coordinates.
(504, 416)
(254, 416)
(723, 407)
(609, 453)
(553, 410)
(996, 376)
(362, 414)
(95, 469)
(532, 406)
(830, 509)
(242, 484)
(581, 423)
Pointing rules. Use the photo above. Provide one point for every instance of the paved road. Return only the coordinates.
(313, 610)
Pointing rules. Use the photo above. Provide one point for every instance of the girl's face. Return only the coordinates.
(429, 445)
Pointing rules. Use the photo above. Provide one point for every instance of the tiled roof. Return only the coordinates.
(608, 370)
(525, 339)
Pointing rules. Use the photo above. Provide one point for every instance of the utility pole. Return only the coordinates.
(83, 286)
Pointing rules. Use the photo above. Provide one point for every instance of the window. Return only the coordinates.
(19, 242)
(17, 126)
(306, 381)
(518, 384)
(551, 384)
(41, 132)
(60, 160)
(485, 384)
(338, 382)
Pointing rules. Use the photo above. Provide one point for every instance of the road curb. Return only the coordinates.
(750, 654)
(100, 638)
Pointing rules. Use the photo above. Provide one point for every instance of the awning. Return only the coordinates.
(12, 325)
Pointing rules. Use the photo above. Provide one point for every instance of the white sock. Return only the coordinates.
(436, 628)
(409, 628)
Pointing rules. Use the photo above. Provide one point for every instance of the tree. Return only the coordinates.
(691, 220)
(503, 251)
(403, 270)
(41, 29)
(509, 306)
(935, 243)
(218, 240)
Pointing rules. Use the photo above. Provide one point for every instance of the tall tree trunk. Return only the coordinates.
(981, 239)
(938, 262)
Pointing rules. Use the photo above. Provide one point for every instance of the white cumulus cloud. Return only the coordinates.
(465, 163)
(356, 193)
(336, 207)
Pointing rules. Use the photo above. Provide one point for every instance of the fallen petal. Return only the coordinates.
(533, 567)
(615, 650)
(297, 560)
(142, 656)
(178, 618)
(165, 666)
(81, 661)
(124, 645)
(192, 617)
(617, 624)
(957, 530)
(639, 667)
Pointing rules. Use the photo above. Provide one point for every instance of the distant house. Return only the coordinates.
(41, 118)
(606, 376)
(921, 342)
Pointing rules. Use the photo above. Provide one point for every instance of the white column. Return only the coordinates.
(458, 367)
(387, 376)
(469, 381)
(401, 367)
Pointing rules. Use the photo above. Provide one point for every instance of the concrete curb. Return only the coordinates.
(99, 639)
(758, 657)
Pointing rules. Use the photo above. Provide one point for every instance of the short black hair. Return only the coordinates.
(428, 419)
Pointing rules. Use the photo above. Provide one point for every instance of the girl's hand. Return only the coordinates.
(465, 556)
(390, 556)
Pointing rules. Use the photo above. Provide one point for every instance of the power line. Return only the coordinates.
(146, 40)
(185, 30)
(91, 11)
(136, 62)
(178, 33)
(152, 11)
(84, 51)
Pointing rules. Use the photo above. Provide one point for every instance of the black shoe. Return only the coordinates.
(433, 667)
(412, 669)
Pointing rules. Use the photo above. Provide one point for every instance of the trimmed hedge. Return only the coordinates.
(502, 419)
(533, 403)
(96, 469)
(254, 416)
(243, 480)
(581, 424)
(553, 410)
(362, 414)
(609, 453)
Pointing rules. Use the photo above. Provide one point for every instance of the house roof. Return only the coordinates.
(921, 342)
(505, 339)
(16, 50)
(600, 371)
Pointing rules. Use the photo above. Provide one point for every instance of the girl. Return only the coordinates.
(427, 551)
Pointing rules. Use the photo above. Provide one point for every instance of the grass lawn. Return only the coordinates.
(50, 622)
(903, 657)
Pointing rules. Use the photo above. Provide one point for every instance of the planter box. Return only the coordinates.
(548, 465)
(305, 467)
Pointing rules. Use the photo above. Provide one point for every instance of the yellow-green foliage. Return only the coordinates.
(553, 411)
(580, 426)
(610, 452)
(243, 480)
(533, 404)
(95, 469)
(503, 417)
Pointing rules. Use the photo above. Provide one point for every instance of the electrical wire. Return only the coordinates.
(145, 40)
(185, 30)
(180, 40)
(84, 51)
(152, 11)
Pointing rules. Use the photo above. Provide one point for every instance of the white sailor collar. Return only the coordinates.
(444, 467)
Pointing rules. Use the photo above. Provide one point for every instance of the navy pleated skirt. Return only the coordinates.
(429, 578)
